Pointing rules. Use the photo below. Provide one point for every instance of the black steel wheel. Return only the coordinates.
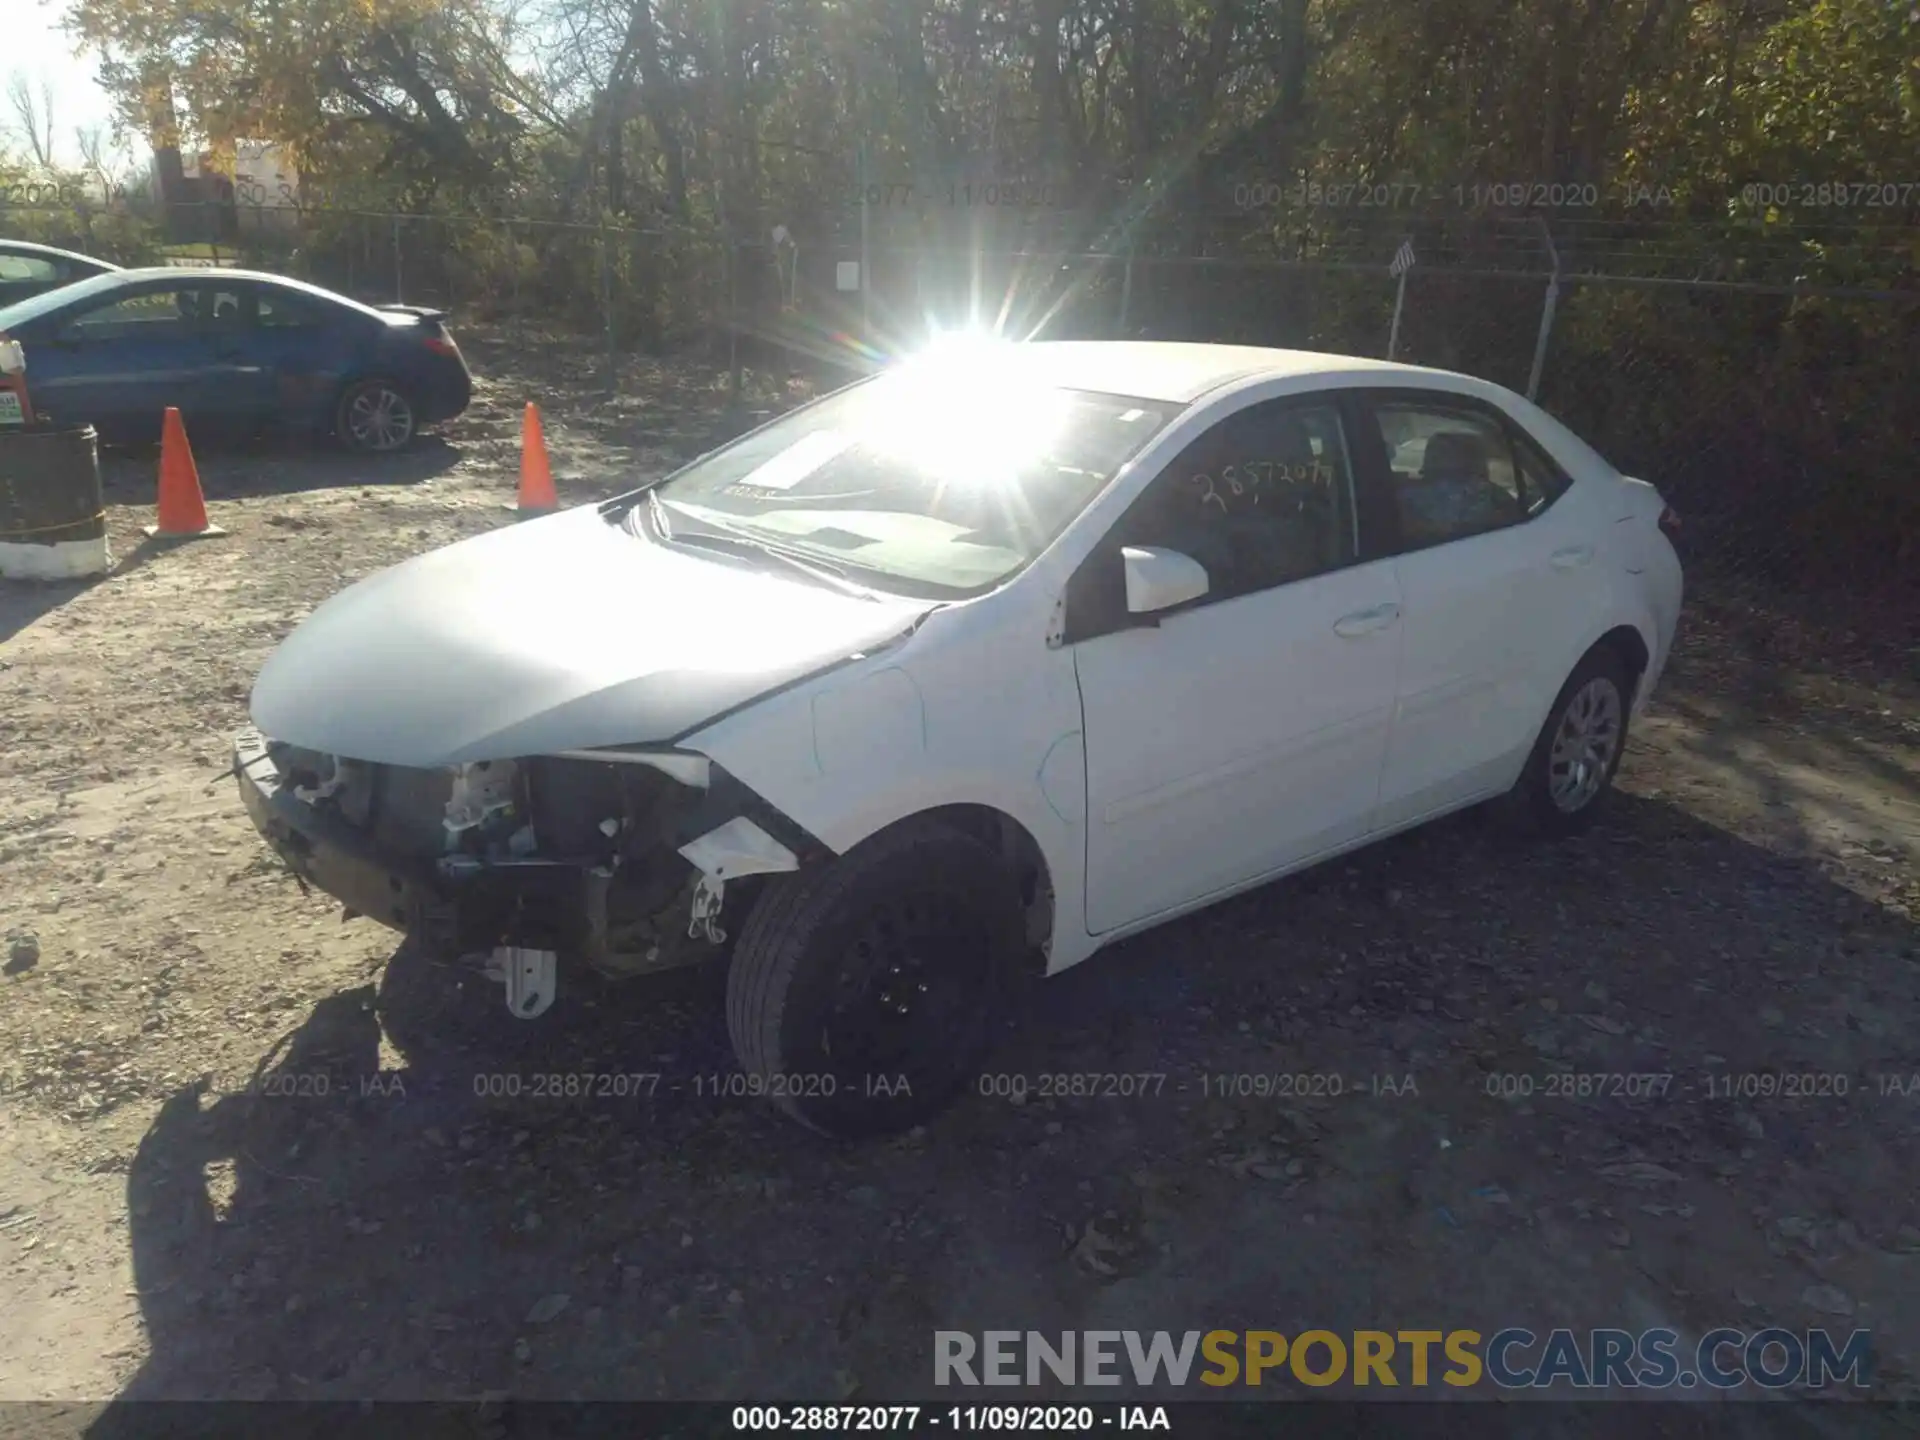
(861, 996)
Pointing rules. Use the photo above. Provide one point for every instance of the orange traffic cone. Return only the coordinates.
(537, 495)
(183, 511)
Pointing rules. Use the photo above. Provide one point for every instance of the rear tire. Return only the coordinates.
(862, 995)
(1569, 774)
(375, 417)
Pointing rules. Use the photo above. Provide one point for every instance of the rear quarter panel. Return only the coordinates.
(1638, 579)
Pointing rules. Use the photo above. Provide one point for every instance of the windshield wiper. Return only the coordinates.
(733, 543)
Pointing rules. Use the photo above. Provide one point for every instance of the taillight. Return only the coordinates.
(443, 345)
(1669, 521)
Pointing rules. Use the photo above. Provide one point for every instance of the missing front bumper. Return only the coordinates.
(645, 858)
(328, 853)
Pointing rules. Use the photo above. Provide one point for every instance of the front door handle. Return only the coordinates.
(1366, 622)
(1573, 557)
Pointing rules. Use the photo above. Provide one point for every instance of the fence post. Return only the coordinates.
(1399, 304)
(1126, 288)
(398, 297)
(606, 307)
(513, 259)
(733, 324)
(866, 280)
(1546, 313)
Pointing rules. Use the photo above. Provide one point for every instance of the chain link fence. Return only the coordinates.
(1778, 418)
(653, 289)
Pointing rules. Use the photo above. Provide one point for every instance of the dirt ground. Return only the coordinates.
(171, 1225)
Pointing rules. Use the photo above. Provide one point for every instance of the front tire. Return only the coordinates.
(862, 995)
(1569, 773)
(374, 417)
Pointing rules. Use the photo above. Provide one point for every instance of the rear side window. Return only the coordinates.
(286, 312)
(1459, 472)
(1541, 481)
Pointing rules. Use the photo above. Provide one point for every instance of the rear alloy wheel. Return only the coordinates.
(1571, 769)
(861, 996)
(374, 416)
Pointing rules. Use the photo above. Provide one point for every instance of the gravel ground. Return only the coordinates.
(182, 1214)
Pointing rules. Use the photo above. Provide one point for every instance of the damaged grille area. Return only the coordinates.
(568, 854)
(400, 810)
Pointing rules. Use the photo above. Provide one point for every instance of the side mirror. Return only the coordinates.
(1160, 579)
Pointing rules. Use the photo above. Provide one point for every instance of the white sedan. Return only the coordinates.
(982, 663)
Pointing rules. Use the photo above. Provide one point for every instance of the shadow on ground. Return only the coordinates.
(381, 1215)
(236, 469)
(22, 602)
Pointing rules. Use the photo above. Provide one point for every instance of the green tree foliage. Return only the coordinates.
(680, 107)
(1780, 137)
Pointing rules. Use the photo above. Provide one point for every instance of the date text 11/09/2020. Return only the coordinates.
(908, 1419)
(1314, 194)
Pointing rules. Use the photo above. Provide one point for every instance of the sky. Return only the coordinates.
(38, 48)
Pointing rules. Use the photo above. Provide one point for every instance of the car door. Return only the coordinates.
(239, 376)
(118, 362)
(305, 345)
(1242, 734)
(1495, 581)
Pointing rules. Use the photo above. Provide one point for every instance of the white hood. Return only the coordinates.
(558, 634)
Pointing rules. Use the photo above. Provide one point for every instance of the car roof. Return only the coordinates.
(52, 252)
(212, 273)
(48, 301)
(1176, 372)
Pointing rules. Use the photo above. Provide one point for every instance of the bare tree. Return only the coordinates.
(101, 158)
(33, 116)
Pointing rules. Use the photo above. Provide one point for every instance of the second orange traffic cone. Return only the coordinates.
(537, 495)
(183, 510)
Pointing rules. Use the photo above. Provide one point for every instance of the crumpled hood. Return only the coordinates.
(556, 634)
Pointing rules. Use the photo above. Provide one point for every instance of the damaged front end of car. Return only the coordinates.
(625, 859)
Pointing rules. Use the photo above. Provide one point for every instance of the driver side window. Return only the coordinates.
(163, 314)
(1262, 499)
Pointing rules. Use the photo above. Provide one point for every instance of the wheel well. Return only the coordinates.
(1015, 844)
(1626, 642)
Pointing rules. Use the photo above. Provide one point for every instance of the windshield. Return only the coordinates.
(943, 482)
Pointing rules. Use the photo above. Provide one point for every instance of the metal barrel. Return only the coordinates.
(53, 523)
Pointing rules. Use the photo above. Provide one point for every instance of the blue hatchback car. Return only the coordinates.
(238, 353)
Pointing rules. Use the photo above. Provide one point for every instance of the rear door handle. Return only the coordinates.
(1366, 622)
(1572, 558)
